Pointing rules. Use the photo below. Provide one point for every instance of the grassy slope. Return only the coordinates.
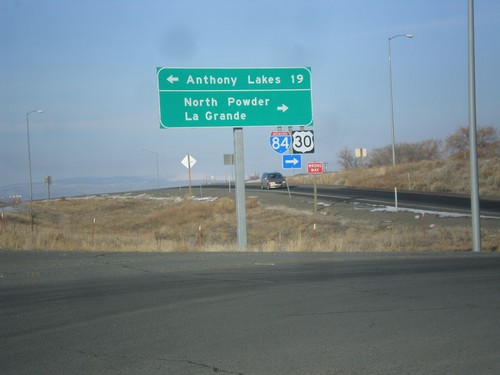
(175, 223)
(430, 175)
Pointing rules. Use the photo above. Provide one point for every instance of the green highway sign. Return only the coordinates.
(234, 97)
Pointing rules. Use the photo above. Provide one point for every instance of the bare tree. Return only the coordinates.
(457, 144)
(347, 159)
(429, 149)
(487, 141)
(381, 156)
(432, 149)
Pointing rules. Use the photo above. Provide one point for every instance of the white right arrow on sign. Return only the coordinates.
(282, 108)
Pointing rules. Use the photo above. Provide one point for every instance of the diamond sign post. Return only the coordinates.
(188, 162)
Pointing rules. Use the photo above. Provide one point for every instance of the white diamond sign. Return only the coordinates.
(188, 161)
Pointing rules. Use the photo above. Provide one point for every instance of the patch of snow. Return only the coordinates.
(175, 199)
(440, 214)
(205, 199)
(324, 204)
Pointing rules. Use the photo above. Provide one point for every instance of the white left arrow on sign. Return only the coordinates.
(172, 79)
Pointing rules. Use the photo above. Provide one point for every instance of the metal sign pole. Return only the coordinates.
(474, 185)
(240, 188)
(315, 192)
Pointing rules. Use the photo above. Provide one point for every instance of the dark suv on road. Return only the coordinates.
(272, 180)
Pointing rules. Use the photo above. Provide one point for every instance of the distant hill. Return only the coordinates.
(78, 186)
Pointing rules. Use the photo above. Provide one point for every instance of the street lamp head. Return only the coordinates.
(144, 150)
(400, 36)
(35, 111)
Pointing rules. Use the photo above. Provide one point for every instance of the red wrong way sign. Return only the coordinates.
(315, 167)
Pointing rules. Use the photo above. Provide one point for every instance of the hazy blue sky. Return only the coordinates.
(91, 66)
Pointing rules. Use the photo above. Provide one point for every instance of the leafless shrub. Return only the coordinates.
(429, 149)
(457, 144)
(347, 159)
(381, 156)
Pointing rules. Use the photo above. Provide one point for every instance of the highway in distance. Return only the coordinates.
(249, 313)
(408, 199)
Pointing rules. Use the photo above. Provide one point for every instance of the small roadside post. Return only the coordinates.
(48, 182)
(229, 160)
(291, 161)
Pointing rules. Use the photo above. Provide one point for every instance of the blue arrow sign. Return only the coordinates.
(292, 161)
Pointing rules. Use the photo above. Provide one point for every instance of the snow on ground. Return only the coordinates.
(440, 214)
(173, 198)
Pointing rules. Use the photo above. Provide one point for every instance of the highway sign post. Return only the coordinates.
(315, 168)
(229, 160)
(236, 98)
(229, 97)
(360, 154)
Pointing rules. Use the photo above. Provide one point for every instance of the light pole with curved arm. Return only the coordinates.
(29, 160)
(390, 91)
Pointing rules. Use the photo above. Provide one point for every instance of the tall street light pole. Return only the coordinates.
(473, 164)
(29, 160)
(157, 169)
(390, 91)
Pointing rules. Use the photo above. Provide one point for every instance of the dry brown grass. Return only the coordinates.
(428, 175)
(180, 224)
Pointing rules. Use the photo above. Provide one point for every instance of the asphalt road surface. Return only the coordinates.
(409, 199)
(249, 313)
